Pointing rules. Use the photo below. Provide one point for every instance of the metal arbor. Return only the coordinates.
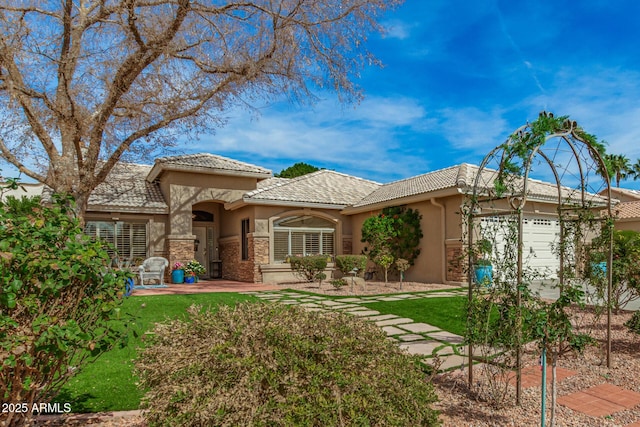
(557, 150)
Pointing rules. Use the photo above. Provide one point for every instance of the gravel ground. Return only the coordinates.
(460, 406)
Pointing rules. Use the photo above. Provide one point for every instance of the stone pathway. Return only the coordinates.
(415, 337)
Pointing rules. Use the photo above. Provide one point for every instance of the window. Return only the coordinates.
(245, 239)
(302, 235)
(128, 238)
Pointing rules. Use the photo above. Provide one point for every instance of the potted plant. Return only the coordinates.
(192, 270)
(482, 267)
(177, 273)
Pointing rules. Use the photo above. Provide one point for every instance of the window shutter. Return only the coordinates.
(312, 243)
(327, 244)
(297, 243)
(138, 240)
(280, 245)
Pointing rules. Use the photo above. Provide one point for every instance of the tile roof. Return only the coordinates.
(125, 188)
(428, 182)
(323, 187)
(206, 162)
(460, 179)
(628, 210)
(629, 193)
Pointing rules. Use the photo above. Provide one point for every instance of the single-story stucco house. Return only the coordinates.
(241, 222)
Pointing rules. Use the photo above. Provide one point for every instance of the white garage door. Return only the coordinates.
(540, 238)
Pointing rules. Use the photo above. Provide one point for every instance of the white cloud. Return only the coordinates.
(470, 128)
(365, 141)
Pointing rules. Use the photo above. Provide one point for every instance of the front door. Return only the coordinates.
(200, 246)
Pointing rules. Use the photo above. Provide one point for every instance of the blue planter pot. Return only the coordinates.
(189, 279)
(599, 268)
(177, 276)
(130, 285)
(484, 275)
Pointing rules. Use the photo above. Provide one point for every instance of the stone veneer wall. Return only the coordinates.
(234, 268)
(456, 264)
(177, 250)
(259, 247)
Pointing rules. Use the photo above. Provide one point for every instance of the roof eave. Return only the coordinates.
(421, 197)
(160, 167)
(129, 209)
(288, 203)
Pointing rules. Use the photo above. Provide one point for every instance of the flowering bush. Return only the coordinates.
(194, 268)
(178, 266)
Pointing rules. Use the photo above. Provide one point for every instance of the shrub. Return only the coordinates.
(346, 263)
(625, 271)
(338, 283)
(307, 267)
(271, 364)
(634, 323)
(57, 297)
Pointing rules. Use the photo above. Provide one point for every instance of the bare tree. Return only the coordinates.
(85, 83)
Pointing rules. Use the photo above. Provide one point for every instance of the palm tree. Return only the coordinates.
(635, 170)
(618, 167)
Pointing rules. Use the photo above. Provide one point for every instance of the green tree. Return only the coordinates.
(635, 170)
(393, 234)
(618, 167)
(296, 170)
(85, 84)
(56, 302)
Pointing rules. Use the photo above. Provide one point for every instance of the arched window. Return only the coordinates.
(303, 235)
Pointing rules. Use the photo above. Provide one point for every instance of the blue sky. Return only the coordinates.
(458, 78)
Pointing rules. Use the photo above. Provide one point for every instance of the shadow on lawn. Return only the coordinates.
(78, 402)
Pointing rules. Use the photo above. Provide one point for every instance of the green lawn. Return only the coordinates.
(108, 383)
(448, 313)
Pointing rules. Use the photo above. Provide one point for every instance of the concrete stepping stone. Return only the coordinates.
(446, 337)
(343, 306)
(383, 317)
(482, 350)
(424, 348)
(453, 361)
(418, 328)
(289, 302)
(356, 300)
(394, 322)
(386, 299)
(392, 330)
(408, 337)
(446, 351)
(330, 303)
(268, 296)
(356, 308)
(364, 313)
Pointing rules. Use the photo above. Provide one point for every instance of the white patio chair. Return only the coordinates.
(153, 269)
